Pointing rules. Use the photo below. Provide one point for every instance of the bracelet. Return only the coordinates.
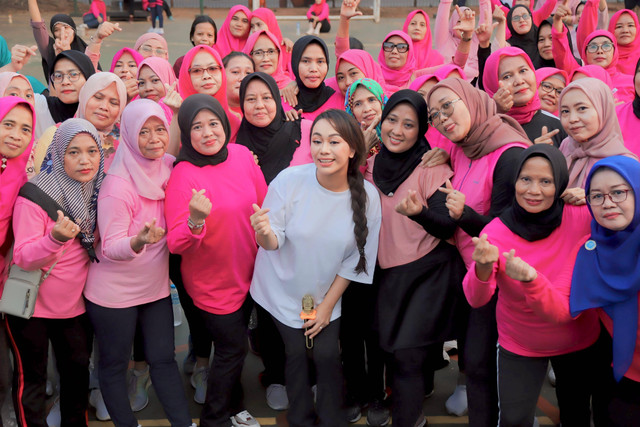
(465, 40)
(95, 40)
(192, 225)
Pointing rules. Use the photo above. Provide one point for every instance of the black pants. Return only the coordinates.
(325, 356)
(480, 365)
(5, 364)
(71, 342)
(624, 407)
(325, 26)
(578, 377)
(115, 329)
(362, 357)
(630, 4)
(271, 349)
(224, 391)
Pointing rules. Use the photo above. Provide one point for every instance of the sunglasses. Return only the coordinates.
(400, 47)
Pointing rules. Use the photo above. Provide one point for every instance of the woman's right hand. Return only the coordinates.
(485, 255)
(410, 205)
(260, 221)
(64, 229)
(131, 84)
(172, 98)
(370, 133)
(290, 93)
(503, 98)
(199, 206)
(455, 200)
(348, 9)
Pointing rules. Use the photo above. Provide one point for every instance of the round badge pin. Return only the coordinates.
(590, 245)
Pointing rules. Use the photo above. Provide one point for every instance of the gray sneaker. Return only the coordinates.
(139, 383)
(378, 414)
(277, 397)
(199, 382)
(353, 413)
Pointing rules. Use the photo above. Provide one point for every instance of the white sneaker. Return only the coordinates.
(49, 389)
(54, 419)
(151, 30)
(244, 419)
(160, 31)
(96, 400)
(139, 382)
(456, 404)
(451, 345)
(277, 397)
(199, 382)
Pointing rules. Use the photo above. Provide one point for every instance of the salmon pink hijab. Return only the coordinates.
(440, 74)
(96, 83)
(187, 89)
(425, 55)
(524, 113)
(12, 177)
(627, 54)
(148, 176)
(227, 42)
(149, 36)
(365, 63)
(607, 141)
(398, 79)
(489, 130)
(279, 75)
(164, 71)
(5, 81)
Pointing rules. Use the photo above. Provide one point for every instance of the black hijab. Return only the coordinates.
(537, 226)
(636, 99)
(48, 60)
(540, 62)
(527, 42)
(309, 100)
(392, 169)
(188, 112)
(274, 144)
(59, 110)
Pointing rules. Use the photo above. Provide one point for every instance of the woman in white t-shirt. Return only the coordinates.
(317, 230)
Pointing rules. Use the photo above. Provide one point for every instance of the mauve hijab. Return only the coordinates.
(489, 130)
(152, 36)
(524, 113)
(426, 56)
(581, 156)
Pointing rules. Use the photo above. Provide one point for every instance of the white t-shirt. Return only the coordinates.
(44, 119)
(314, 227)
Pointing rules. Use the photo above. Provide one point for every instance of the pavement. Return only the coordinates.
(176, 33)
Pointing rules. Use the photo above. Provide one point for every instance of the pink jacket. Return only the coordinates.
(533, 317)
(60, 295)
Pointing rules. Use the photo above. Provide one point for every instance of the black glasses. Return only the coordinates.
(446, 109)
(523, 17)
(549, 88)
(401, 47)
(263, 53)
(73, 76)
(616, 196)
(593, 47)
(198, 72)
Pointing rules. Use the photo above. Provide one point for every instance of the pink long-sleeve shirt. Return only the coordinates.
(124, 278)
(538, 15)
(60, 295)
(630, 127)
(324, 14)
(217, 264)
(591, 19)
(533, 317)
(335, 101)
(97, 8)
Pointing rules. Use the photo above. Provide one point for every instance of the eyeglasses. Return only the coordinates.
(446, 109)
(197, 72)
(400, 47)
(523, 17)
(262, 53)
(549, 88)
(616, 196)
(148, 49)
(73, 76)
(594, 47)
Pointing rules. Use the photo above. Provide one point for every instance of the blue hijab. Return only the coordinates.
(607, 271)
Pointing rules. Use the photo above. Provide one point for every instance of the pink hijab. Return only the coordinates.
(149, 36)
(425, 55)
(136, 56)
(226, 42)
(440, 73)
(12, 178)
(622, 82)
(627, 55)
(546, 72)
(98, 82)
(279, 75)
(269, 18)
(164, 71)
(365, 63)
(398, 79)
(523, 114)
(149, 177)
(5, 80)
(605, 143)
(187, 89)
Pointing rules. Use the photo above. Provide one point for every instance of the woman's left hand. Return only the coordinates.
(323, 317)
(518, 269)
(172, 99)
(287, 44)
(574, 196)
(292, 115)
(370, 134)
(410, 205)
(467, 21)
(434, 157)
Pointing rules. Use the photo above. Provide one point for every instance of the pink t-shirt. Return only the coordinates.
(60, 295)
(217, 264)
(124, 278)
(533, 317)
(630, 127)
(335, 101)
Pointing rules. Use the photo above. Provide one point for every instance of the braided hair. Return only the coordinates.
(347, 127)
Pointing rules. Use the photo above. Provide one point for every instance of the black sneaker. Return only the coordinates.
(353, 413)
(378, 414)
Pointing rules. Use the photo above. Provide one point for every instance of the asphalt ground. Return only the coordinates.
(176, 33)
